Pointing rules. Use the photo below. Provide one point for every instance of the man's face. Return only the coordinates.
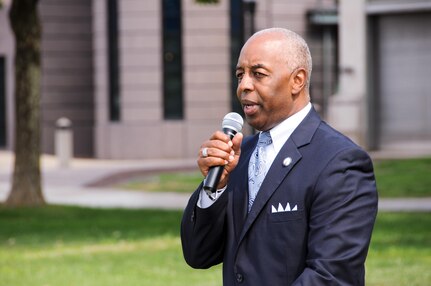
(264, 82)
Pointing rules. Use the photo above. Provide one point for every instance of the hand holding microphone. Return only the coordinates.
(220, 154)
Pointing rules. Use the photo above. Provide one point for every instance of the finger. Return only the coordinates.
(216, 148)
(219, 135)
(207, 152)
(206, 163)
(236, 141)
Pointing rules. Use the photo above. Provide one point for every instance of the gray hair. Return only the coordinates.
(297, 54)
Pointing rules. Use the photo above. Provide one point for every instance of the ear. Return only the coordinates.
(299, 79)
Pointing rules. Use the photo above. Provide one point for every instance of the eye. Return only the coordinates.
(259, 74)
(239, 75)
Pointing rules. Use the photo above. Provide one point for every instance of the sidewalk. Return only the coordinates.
(75, 185)
(72, 185)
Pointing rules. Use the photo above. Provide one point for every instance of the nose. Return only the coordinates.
(245, 85)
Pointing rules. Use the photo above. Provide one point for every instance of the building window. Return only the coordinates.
(2, 102)
(113, 70)
(173, 106)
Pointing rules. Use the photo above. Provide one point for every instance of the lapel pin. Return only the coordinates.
(287, 161)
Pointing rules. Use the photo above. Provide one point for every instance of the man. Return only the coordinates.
(310, 220)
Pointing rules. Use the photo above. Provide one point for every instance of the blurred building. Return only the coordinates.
(384, 97)
(152, 79)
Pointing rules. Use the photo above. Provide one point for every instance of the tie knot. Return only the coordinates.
(264, 139)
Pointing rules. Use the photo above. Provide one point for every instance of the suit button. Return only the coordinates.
(192, 217)
(239, 277)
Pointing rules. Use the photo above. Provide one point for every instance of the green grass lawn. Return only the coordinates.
(400, 251)
(395, 178)
(180, 182)
(59, 245)
(404, 178)
(79, 246)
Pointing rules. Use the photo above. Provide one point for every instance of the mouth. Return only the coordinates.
(250, 108)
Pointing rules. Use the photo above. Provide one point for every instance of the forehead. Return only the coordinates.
(264, 49)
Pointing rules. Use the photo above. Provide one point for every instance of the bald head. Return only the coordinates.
(294, 49)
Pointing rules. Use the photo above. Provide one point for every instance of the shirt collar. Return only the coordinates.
(282, 131)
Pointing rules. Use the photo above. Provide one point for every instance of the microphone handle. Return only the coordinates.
(214, 173)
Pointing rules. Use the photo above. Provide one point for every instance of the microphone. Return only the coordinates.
(232, 123)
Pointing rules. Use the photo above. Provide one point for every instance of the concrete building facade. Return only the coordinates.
(384, 100)
(152, 79)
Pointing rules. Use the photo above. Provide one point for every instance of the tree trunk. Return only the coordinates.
(26, 184)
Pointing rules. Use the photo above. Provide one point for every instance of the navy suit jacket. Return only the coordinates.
(323, 239)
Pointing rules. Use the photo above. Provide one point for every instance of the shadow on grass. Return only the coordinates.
(49, 241)
(74, 224)
(62, 245)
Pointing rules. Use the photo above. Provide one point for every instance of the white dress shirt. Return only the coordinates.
(279, 135)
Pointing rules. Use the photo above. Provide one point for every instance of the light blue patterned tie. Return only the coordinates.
(258, 166)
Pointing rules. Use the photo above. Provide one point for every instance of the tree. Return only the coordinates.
(26, 183)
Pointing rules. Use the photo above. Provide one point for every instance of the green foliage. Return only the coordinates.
(403, 178)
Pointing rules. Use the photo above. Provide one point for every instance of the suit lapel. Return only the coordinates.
(278, 170)
(276, 175)
(240, 193)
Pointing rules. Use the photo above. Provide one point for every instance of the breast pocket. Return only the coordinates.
(286, 216)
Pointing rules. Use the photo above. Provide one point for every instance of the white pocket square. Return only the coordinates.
(281, 209)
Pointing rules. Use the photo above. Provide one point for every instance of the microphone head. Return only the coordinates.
(233, 121)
